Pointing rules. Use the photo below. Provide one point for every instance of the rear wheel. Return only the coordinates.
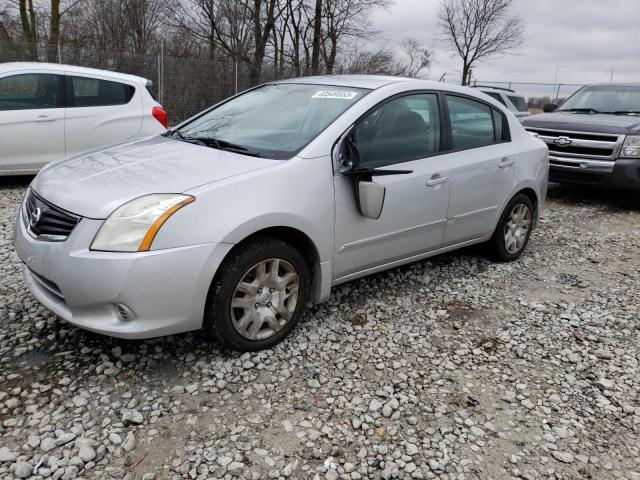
(258, 295)
(514, 229)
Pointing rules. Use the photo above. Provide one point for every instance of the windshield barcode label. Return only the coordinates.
(341, 95)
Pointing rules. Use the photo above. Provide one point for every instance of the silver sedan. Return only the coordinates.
(238, 218)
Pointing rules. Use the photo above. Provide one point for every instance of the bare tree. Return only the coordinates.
(479, 29)
(418, 58)
(199, 19)
(58, 9)
(346, 19)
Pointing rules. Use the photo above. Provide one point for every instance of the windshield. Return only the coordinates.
(605, 99)
(272, 121)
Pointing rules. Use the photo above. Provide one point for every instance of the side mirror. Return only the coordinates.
(369, 195)
(370, 199)
(549, 107)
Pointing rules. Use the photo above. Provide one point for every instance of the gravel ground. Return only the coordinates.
(450, 368)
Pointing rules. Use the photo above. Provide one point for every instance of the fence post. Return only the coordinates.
(235, 62)
(161, 74)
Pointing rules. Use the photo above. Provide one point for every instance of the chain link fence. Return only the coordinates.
(184, 85)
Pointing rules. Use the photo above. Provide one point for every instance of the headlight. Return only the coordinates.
(631, 147)
(133, 226)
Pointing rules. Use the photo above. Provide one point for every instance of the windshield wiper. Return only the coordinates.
(580, 110)
(178, 135)
(212, 143)
(624, 112)
(227, 146)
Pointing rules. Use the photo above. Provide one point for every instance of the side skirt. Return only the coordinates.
(404, 261)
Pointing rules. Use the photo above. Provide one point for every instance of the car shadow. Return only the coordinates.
(153, 355)
(15, 181)
(593, 195)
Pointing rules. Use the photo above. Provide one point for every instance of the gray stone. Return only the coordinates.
(23, 469)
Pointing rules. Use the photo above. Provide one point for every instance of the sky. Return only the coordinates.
(584, 39)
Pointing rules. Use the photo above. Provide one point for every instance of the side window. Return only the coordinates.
(471, 123)
(501, 127)
(406, 128)
(496, 96)
(519, 103)
(91, 92)
(29, 91)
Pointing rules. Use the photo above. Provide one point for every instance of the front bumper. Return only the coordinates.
(164, 290)
(622, 174)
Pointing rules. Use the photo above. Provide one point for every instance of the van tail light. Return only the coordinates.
(160, 115)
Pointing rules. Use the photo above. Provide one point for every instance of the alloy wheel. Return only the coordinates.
(265, 299)
(516, 229)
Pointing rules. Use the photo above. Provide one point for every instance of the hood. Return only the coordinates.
(581, 122)
(95, 184)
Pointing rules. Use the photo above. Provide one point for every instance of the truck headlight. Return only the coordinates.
(133, 226)
(631, 147)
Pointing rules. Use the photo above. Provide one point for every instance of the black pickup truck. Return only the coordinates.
(593, 137)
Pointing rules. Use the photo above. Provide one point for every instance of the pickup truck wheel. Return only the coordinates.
(514, 229)
(258, 295)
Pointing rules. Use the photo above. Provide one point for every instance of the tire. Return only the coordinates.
(502, 250)
(246, 278)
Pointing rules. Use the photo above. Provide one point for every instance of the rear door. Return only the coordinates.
(31, 120)
(483, 167)
(101, 112)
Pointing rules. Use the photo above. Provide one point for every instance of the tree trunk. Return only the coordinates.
(54, 32)
(261, 36)
(28, 21)
(465, 72)
(212, 45)
(331, 58)
(317, 39)
(4, 35)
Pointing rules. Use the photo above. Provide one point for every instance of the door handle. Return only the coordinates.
(506, 162)
(44, 118)
(437, 181)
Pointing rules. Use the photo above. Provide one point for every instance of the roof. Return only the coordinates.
(57, 67)
(355, 81)
(494, 89)
(614, 84)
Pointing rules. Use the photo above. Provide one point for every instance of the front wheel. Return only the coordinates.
(258, 295)
(514, 229)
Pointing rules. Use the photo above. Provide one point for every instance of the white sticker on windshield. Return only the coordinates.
(339, 94)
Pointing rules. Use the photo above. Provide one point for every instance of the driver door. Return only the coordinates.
(402, 134)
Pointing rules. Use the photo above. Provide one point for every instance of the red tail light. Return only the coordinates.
(160, 115)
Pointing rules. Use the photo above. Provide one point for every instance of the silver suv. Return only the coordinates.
(237, 218)
(515, 102)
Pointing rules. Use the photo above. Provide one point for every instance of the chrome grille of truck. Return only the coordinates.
(588, 145)
(46, 221)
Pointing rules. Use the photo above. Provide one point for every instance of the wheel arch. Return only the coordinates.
(299, 240)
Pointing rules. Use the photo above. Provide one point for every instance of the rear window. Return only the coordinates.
(91, 92)
(519, 103)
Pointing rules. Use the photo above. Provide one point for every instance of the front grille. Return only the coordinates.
(597, 146)
(581, 150)
(577, 135)
(46, 221)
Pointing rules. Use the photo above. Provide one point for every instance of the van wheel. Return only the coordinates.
(258, 295)
(514, 229)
